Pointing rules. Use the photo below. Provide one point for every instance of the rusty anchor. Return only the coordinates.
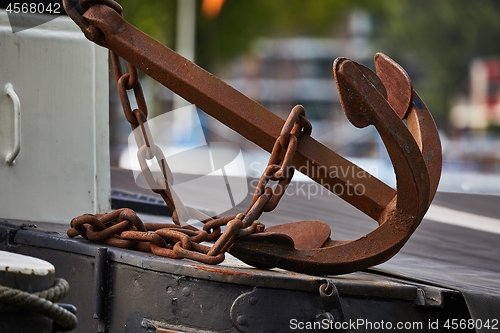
(384, 99)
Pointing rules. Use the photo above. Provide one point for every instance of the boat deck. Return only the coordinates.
(445, 271)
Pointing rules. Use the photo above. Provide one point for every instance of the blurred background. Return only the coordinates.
(280, 53)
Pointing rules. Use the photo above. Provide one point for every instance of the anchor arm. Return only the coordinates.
(416, 155)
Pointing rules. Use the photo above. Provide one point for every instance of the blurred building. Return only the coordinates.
(280, 73)
(481, 109)
(474, 145)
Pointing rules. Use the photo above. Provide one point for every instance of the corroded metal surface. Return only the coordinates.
(417, 167)
(384, 99)
(232, 108)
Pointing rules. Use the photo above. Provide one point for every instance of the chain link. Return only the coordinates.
(123, 228)
(279, 167)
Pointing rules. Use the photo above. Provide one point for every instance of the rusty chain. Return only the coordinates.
(123, 228)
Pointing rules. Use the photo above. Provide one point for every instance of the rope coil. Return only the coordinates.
(43, 302)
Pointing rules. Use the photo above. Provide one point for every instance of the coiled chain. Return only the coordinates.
(123, 228)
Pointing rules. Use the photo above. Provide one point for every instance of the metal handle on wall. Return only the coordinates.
(9, 91)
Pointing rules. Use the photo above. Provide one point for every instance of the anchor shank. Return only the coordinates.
(237, 111)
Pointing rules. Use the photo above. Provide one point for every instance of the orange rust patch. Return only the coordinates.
(216, 269)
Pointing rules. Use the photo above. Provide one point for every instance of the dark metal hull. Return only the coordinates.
(119, 290)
